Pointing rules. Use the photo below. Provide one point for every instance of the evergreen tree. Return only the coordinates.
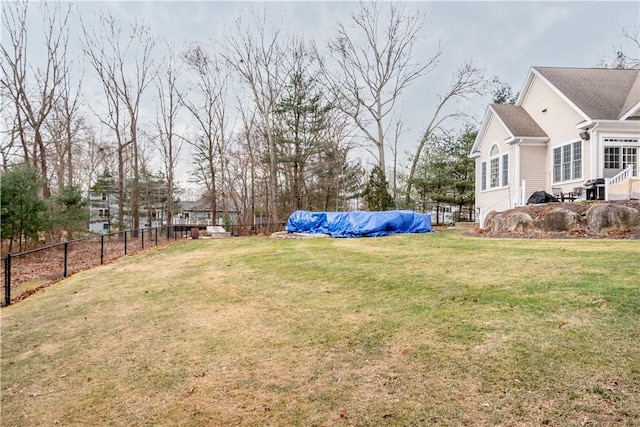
(377, 191)
(463, 172)
(447, 175)
(23, 212)
(503, 93)
(300, 119)
(70, 211)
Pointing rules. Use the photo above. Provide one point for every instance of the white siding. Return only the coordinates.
(534, 168)
(586, 160)
(559, 120)
(497, 198)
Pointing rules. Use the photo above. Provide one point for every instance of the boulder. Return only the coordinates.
(603, 218)
(558, 219)
(512, 221)
(489, 219)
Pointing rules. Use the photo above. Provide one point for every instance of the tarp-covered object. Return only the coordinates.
(359, 224)
(541, 197)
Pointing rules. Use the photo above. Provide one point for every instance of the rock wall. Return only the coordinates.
(589, 219)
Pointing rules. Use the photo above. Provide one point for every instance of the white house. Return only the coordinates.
(199, 213)
(103, 211)
(567, 127)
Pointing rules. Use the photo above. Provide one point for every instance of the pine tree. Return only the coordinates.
(377, 191)
(23, 212)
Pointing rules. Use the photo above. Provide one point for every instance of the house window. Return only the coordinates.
(103, 212)
(612, 157)
(567, 162)
(105, 226)
(103, 196)
(505, 170)
(577, 160)
(495, 171)
(484, 175)
(619, 154)
(630, 158)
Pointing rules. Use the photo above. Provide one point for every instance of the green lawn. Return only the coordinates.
(433, 329)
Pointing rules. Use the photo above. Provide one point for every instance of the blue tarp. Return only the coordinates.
(359, 224)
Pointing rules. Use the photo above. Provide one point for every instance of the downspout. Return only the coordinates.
(517, 165)
(595, 152)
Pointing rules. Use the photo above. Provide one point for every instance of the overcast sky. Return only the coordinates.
(504, 38)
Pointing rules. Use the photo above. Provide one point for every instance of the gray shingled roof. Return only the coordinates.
(518, 121)
(602, 94)
(199, 205)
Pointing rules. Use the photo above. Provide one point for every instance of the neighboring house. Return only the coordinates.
(103, 211)
(104, 208)
(200, 213)
(568, 126)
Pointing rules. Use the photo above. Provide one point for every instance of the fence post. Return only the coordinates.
(66, 258)
(102, 250)
(125, 242)
(156, 237)
(7, 279)
(142, 238)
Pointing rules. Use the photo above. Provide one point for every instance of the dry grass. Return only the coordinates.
(404, 330)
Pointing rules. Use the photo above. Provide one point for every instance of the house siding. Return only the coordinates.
(496, 198)
(559, 121)
(533, 160)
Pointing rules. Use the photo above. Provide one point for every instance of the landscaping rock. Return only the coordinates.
(518, 222)
(612, 220)
(603, 218)
(558, 219)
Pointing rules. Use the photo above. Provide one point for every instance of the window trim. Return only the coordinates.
(622, 143)
(495, 163)
(565, 166)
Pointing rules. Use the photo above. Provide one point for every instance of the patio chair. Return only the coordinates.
(576, 193)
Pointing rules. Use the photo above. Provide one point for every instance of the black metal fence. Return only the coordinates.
(25, 272)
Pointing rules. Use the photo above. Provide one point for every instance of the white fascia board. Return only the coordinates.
(618, 125)
(633, 110)
(584, 125)
(481, 132)
(561, 94)
(540, 141)
(525, 88)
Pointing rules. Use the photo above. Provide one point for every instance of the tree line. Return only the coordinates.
(272, 121)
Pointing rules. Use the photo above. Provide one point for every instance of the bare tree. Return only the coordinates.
(468, 81)
(621, 56)
(397, 133)
(124, 65)
(243, 175)
(168, 142)
(210, 112)
(33, 90)
(65, 127)
(374, 63)
(256, 56)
